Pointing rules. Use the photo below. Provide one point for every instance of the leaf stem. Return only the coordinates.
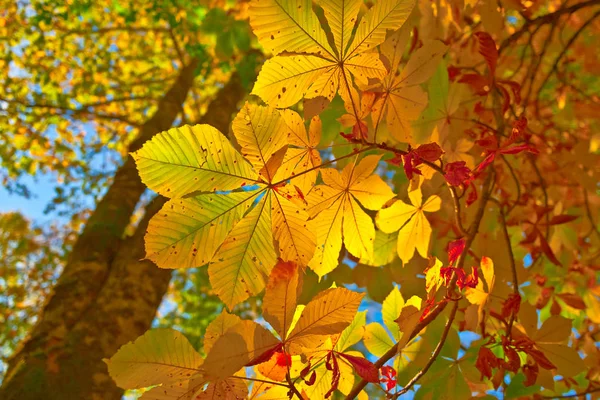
(292, 386)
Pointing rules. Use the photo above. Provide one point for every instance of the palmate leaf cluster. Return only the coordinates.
(276, 201)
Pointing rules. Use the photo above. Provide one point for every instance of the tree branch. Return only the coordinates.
(434, 356)
(545, 19)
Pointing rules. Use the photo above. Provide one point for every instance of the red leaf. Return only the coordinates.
(335, 370)
(518, 129)
(487, 48)
(480, 84)
(572, 300)
(389, 377)
(472, 196)
(514, 362)
(531, 372)
(283, 359)
(429, 152)
(396, 160)
(561, 219)
(457, 173)
(486, 161)
(506, 96)
(363, 367)
(472, 280)
(265, 356)
(548, 251)
(410, 162)
(511, 305)
(312, 379)
(489, 142)
(305, 370)
(453, 72)
(455, 249)
(540, 358)
(486, 360)
(518, 149)
(360, 130)
(515, 89)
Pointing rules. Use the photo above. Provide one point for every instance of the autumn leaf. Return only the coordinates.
(234, 231)
(479, 295)
(402, 100)
(302, 158)
(281, 296)
(160, 356)
(241, 345)
(550, 339)
(336, 213)
(312, 68)
(328, 313)
(409, 219)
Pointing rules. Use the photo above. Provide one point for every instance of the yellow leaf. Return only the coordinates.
(218, 327)
(244, 260)
(158, 357)
(285, 80)
(302, 155)
(566, 359)
(226, 389)
(374, 25)
(384, 249)
(295, 241)
(239, 346)
(281, 296)
(261, 132)
(372, 192)
(353, 333)
(390, 310)
(184, 160)
(186, 233)
(433, 278)
(359, 232)
(422, 63)
(328, 226)
(414, 229)
(339, 198)
(377, 340)
(328, 313)
(555, 329)
(311, 68)
(288, 25)
(177, 390)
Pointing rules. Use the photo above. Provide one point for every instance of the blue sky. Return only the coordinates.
(42, 189)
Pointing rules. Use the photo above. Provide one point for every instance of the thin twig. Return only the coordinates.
(513, 266)
(564, 51)
(292, 386)
(436, 353)
(572, 396)
(258, 380)
(545, 19)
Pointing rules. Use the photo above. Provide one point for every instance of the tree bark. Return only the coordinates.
(105, 296)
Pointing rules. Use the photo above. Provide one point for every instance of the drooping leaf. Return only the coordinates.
(281, 296)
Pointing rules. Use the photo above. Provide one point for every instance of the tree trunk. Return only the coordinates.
(105, 296)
